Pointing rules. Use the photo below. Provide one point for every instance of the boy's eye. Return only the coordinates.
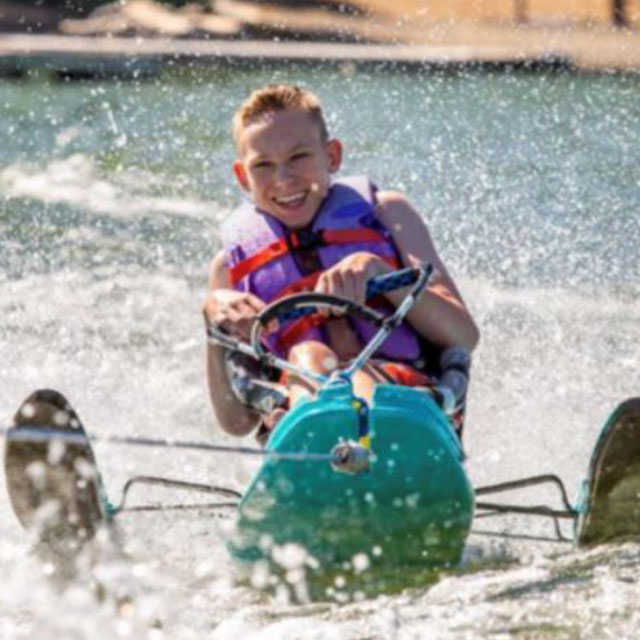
(300, 155)
(262, 164)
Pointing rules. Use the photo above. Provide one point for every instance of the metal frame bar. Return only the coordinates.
(173, 484)
(498, 509)
(148, 508)
(530, 481)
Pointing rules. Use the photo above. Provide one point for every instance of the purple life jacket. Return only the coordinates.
(268, 260)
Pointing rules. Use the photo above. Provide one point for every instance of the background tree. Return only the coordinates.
(619, 13)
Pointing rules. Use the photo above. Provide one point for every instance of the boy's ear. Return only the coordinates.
(334, 153)
(241, 174)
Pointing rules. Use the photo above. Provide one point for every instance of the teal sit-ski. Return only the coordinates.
(411, 505)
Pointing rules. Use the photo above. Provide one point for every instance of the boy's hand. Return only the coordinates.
(348, 278)
(232, 311)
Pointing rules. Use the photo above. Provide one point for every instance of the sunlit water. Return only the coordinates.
(111, 199)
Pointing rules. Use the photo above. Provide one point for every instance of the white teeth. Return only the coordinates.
(289, 199)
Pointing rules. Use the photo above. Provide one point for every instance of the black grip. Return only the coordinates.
(391, 281)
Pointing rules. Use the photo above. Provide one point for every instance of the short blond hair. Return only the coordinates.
(279, 97)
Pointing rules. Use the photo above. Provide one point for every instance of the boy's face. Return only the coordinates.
(285, 166)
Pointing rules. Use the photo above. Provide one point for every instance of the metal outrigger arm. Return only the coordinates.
(491, 509)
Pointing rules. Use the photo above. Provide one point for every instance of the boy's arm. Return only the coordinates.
(439, 314)
(232, 415)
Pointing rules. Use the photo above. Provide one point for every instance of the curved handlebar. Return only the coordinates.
(304, 304)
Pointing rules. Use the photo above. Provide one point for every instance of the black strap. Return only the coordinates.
(303, 245)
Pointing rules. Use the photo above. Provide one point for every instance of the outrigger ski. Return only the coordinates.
(339, 477)
(609, 508)
(53, 489)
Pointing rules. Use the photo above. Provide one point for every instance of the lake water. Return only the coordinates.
(111, 196)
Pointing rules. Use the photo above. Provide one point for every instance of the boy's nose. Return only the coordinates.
(283, 172)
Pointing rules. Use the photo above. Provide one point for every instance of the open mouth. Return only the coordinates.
(291, 201)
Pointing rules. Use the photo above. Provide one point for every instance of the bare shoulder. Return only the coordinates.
(399, 215)
(219, 272)
(406, 224)
(390, 202)
(392, 197)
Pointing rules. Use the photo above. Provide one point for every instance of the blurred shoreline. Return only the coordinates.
(139, 38)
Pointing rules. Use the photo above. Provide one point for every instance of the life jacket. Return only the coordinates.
(270, 261)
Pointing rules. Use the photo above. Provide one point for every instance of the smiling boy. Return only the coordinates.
(332, 237)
